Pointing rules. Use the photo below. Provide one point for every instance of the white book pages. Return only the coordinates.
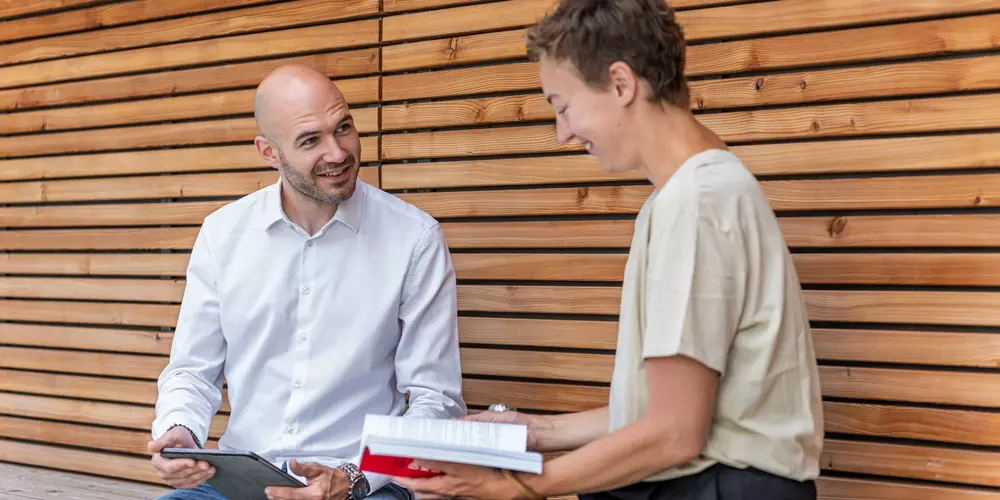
(468, 434)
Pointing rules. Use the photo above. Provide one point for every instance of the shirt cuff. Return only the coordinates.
(376, 481)
(162, 425)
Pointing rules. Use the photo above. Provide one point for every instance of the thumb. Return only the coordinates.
(307, 470)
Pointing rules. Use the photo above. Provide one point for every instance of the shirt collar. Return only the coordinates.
(348, 212)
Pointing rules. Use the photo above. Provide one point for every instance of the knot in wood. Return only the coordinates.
(815, 125)
(836, 226)
(582, 193)
(701, 104)
(759, 84)
(979, 200)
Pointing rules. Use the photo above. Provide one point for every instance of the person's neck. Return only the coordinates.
(308, 213)
(667, 138)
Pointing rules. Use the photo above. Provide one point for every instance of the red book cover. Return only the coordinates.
(391, 466)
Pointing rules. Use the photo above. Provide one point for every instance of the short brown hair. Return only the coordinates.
(593, 34)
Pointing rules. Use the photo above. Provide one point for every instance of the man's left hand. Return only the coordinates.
(324, 483)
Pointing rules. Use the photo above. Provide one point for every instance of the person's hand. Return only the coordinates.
(324, 483)
(511, 417)
(459, 481)
(179, 472)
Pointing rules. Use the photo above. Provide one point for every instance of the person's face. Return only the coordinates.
(595, 117)
(317, 148)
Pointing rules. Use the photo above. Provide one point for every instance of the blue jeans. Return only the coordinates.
(390, 491)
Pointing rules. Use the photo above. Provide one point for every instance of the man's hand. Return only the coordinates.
(179, 472)
(324, 483)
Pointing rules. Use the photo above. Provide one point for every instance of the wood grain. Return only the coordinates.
(139, 188)
(915, 269)
(11, 8)
(76, 460)
(395, 6)
(203, 159)
(893, 231)
(912, 422)
(94, 313)
(540, 266)
(899, 306)
(137, 290)
(555, 201)
(39, 483)
(487, 47)
(579, 334)
(462, 81)
(178, 82)
(435, 114)
(106, 16)
(220, 50)
(539, 299)
(839, 488)
(148, 136)
(474, 142)
(703, 24)
(132, 214)
(137, 264)
(536, 396)
(941, 348)
(79, 387)
(99, 339)
(83, 363)
(206, 24)
(174, 238)
(848, 156)
(536, 365)
(912, 461)
(912, 386)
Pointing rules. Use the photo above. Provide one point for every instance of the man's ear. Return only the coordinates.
(623, 81)
(267, 151)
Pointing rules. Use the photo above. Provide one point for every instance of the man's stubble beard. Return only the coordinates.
(308, 187)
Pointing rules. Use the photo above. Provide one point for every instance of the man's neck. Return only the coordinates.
(308, 213)
(668, 139)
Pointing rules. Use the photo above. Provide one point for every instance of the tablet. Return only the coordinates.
(238, 474)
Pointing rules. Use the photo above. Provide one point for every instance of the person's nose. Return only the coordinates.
(335, 153)
(563, 132)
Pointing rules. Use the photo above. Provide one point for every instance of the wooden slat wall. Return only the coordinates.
(872, 126)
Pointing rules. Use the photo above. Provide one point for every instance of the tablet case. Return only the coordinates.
(238, 475)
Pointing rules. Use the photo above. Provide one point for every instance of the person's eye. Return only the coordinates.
(343, 129)
(309, 142)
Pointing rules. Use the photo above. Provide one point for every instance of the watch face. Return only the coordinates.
(360, 489)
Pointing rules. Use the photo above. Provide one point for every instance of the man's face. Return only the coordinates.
(318, 148)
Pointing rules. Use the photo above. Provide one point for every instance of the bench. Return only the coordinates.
(868, 123)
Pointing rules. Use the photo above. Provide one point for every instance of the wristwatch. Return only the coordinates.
(359, 487)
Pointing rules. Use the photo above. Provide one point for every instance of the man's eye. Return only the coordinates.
(343, 129)
(309, 142)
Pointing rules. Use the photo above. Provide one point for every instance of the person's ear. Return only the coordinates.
(267, 151)
(624, 82)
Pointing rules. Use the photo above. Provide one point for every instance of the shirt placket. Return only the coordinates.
(300, 351)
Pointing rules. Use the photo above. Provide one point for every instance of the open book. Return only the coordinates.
(389, 445)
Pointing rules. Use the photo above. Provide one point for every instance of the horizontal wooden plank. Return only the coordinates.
(895, 231)
(145, 290)
(96, 313)
(952, 191)
(83, 363)
(90, 412)
(12, 8)
(897, 306)
(79, 386)
(579, 334)
(839, 488)
(395, 6)
(462, 81)
(108, 215)
(106, 16)
(539, 299)
(36, 483)
(722, 22)
(207, 24)
(486, 47)
(879, 43)
(107, 264)
(474, 142)
(859, 155)
(220, 50)
(534, 396)
(923, 78)
(213, 105)
(872, 44)
(101, 339)
(911, 422)
(149, 136)
(912, 461)
(85, 387)
(204, 159)
(941, 348)
(912, 386)
(178, 82)
(101, 438)
(940, 114)
(144, 187)
(76, 460)
(536, 364)
(172, 238)
(932, 269)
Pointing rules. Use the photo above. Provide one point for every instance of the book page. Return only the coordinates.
(489, 435)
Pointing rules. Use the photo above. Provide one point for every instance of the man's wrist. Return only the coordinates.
(357, 483)
(194, 436)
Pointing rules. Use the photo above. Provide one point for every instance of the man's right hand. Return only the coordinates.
(179, 472)
(512, 417)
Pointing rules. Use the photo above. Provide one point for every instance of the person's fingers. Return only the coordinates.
(308, 470)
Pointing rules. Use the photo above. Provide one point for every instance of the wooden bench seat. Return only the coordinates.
(18, 482)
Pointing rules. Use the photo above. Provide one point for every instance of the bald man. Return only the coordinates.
(318, 299)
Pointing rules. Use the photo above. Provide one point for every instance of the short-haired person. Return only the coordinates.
(715, 392)
(319, 299)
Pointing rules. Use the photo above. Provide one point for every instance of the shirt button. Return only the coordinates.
(290, 430)
(297, 384)
(305, 290)
(302, 337)
(309, 243)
